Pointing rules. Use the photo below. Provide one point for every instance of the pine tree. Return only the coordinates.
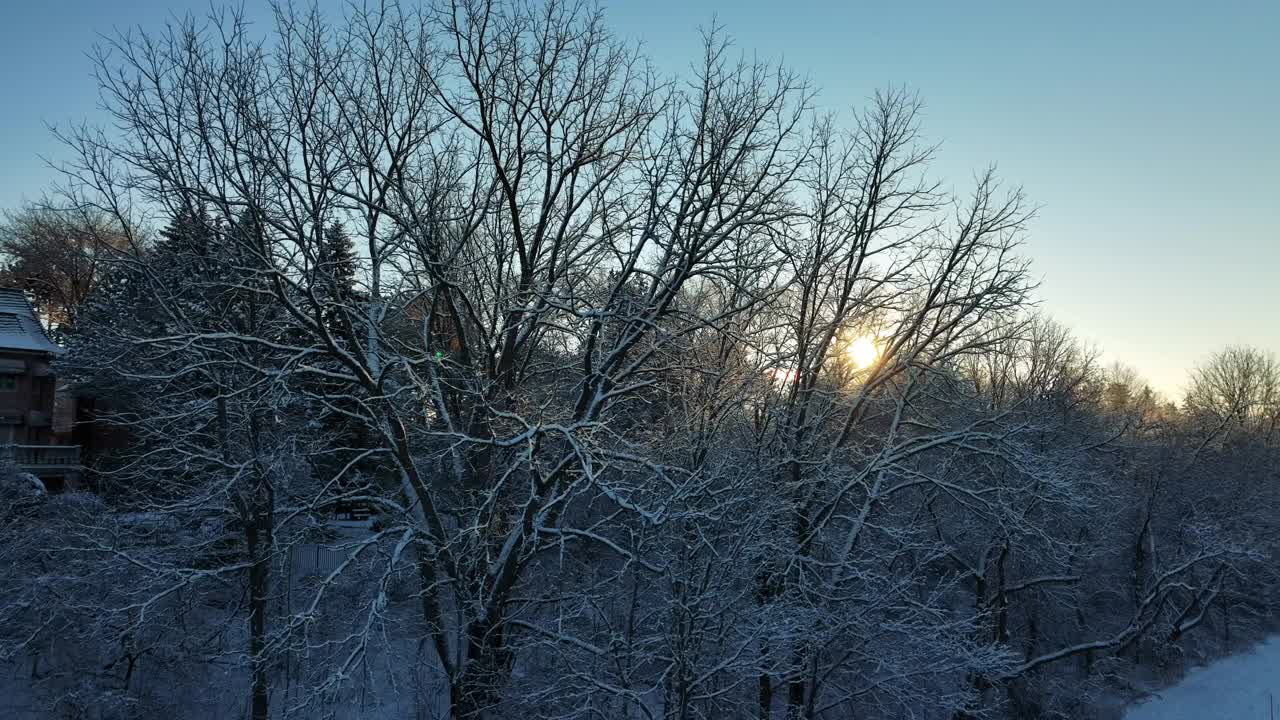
(189, 235)
(338, 262)
(334, 287)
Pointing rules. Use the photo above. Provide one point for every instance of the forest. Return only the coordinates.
(471, 367)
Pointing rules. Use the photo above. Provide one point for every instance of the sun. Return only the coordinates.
(863, 352)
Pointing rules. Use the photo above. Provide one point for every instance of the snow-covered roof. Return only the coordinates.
(19, 327)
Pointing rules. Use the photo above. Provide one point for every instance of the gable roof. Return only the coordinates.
(19, 327)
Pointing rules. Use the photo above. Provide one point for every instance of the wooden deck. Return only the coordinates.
(40, 459)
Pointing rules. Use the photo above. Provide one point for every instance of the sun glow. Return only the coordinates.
(863, 352)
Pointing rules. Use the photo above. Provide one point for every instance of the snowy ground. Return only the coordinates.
(1240, 687)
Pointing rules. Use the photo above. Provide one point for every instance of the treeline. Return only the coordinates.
(591, 346)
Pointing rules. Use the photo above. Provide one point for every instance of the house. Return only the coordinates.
(29, 440)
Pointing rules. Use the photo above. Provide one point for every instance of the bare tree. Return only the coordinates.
(1237, 389)
(58, 255)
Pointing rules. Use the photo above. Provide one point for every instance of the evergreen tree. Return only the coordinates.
(334, 287)
(335, 280)
(338, 262)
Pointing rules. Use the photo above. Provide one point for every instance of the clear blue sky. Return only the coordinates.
(1147, 132)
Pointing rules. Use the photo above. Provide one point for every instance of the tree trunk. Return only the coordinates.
(764, 595)
(766, 687)
(259, 542)
(796, 708)
(476, 688)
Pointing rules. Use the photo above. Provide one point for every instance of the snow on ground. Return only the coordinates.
(1240, 687)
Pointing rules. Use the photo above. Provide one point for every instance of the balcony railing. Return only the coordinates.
(42, 458)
